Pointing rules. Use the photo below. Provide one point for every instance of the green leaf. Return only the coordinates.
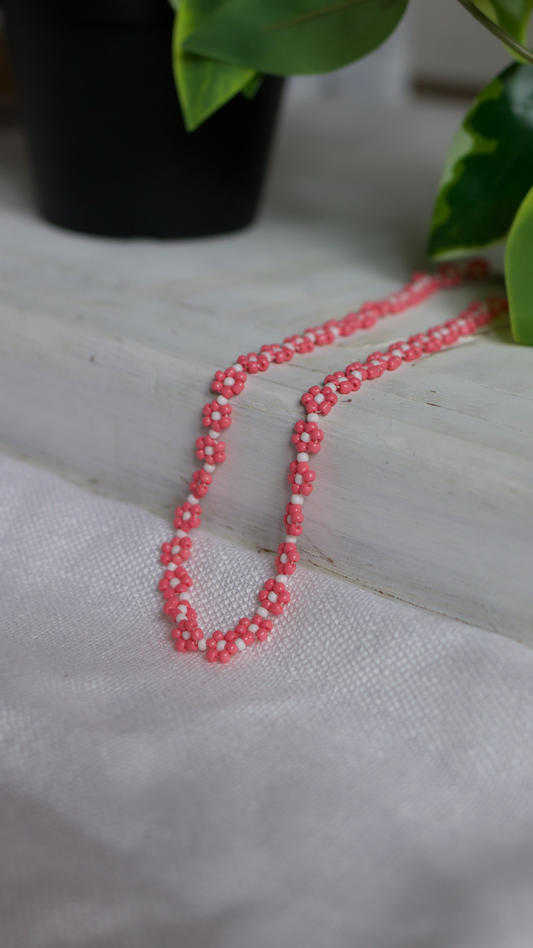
(251, 89)
(203, 84)
(519, 272)
(489, 169)
(287, 37)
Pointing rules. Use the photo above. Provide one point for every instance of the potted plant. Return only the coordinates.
(486, 192)
(111, 154)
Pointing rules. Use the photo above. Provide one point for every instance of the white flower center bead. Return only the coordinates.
(319, 398)
(174, 582)
(272, 596)
(186, 636)
(221, 645)
(216, 416)
(305, 437)
(229, 381)
(284, 558)
(252, 627)
(175, 549)
(240, 645)
(298, 479)
(209, 451)
(186, 515)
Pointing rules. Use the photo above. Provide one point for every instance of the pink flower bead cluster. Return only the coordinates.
(307, 440)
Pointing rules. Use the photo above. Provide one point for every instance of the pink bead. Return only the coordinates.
(319, 400)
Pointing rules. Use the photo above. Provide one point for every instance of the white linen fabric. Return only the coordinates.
(363, 780)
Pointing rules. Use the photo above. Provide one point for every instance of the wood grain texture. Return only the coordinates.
(425, 484)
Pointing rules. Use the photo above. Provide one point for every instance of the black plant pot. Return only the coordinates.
(109, 149)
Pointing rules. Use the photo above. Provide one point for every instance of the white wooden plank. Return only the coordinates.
(425, 486)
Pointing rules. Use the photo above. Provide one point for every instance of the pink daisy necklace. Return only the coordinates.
(307, 440)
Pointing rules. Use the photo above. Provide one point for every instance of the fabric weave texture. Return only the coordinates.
(371, 787)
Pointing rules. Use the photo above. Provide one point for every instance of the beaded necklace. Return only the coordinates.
(307, 440)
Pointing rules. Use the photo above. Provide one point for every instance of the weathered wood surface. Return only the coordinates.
(425, 484)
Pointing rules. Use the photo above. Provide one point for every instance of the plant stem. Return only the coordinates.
(502, 35)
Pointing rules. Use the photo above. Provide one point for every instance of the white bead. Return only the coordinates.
(305, 436)
(281, 578)
(240, 645)
(312, 416)
(330, 385)
(290, 539)
(186, 636)
(182, 609)
(262, 612)
(216, 416)
(272, 596)
(284, 558)
(319, 398)
(221, 400)
(202, 645)
(289, 345)
(209, 468)
(238, 367)
(214, 434)
(184, 597)
(180, 533)
(297, 499)
(171, 566)
(229, 381)
(268, 355)
(252, 627)
(298, 479)
(192, 500)
(221, 645)
(175, 549)
(209, 451)
(335, 330)
(174, 582)
(310, 335)
(358, 375)
(187, 515)
(302, 456)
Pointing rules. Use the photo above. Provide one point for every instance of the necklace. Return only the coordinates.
(307, 440)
